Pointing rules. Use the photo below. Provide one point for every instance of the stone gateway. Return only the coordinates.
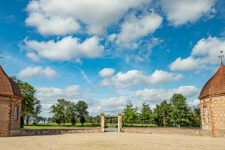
(212, 104)
(10, 105)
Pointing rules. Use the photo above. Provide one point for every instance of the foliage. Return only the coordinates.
(162, 114)
(174, 113)
(181, 113)
(130, 114)
(31, 106)
(81, 108)
(67, 111)
(146, 114)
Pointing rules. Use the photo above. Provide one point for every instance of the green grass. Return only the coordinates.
(139, 125)
(61, 126)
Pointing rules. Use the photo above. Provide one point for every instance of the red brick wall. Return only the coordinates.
(15, 124)
(7, 122)
(4, 117)
(216, 115)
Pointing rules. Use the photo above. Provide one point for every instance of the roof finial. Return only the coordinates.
(221, 57)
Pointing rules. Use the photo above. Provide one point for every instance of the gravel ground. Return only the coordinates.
(112, 141)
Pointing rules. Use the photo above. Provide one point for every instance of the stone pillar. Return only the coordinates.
(102, 122)
(120, 122)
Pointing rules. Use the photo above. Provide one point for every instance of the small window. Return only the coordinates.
(16, 113)
(206, 115)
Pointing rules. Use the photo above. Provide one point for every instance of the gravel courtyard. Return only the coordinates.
(112, 141)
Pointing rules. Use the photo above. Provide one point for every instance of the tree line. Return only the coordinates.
(68, 112)
(176, 112)
(63, 111)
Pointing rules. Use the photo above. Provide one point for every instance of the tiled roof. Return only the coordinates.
(215, 86)
(7, 86)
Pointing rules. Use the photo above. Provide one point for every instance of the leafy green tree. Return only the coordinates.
(73, 112)
(130, 114)
(61, 111)
(81, 108)
(162, 114)
(146, 114)
(195, 116)
(181, 112)
(37, 111)
(30, 105)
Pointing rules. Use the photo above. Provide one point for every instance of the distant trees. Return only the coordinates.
(67, 111)
(146, 114)
(176, 112)
(31, 107)
(130, 114)
(162, 114)
(81, 109)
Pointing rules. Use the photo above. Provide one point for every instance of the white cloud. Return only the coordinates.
(52, 25)
(158, 95)
(134, 78)
(194, 103)
(204, 53)
(52, 93)
(33, 56)
(135, 27)
(37, 71)
(106, 72)
(182, 11)
(67, 48)
(61, 17)
(109, 106)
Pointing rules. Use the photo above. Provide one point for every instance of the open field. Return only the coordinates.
(112, 141)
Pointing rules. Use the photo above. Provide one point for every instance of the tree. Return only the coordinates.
(30, 105)
(37, 111)
(61, 111)
(130, 114)
(81, 108)
(146, 114)
(162, 114)
(73, 112)
(195, 117)
(181, 112)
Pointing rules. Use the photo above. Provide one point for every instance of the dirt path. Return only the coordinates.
(112, 141)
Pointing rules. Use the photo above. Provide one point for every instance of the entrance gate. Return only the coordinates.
(111, 126)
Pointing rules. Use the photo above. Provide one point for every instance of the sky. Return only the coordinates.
(111, 53)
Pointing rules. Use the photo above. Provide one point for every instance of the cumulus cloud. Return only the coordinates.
(182, 11)
(158, 95)
(52, 93)
(58, 17)
(135, 77)
(204, 53)
(135, 27)
(109, 106)
(194, 103)
(37, 71)
(106, 72)
(33, 56)
(67, 48)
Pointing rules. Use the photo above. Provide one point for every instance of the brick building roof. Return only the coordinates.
(7, 86)
(215, 86)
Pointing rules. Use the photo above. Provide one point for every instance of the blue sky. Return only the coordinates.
(112, 52)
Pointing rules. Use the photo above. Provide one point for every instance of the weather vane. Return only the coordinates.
(221, 57)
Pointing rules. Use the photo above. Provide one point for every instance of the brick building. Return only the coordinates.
(10, 105)
(212, 104)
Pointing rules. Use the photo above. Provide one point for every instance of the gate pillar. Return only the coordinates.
(120, 122)
(102, 122)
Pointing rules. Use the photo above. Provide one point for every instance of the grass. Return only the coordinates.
(61, 126)
(92, 125)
